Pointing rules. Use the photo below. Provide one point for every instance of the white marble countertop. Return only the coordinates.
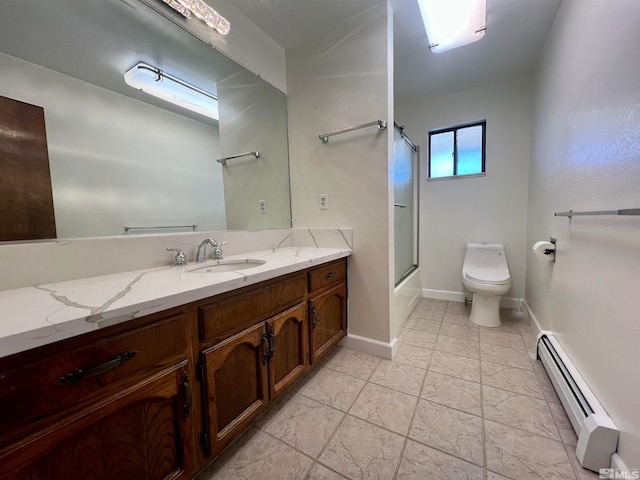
(43, 314)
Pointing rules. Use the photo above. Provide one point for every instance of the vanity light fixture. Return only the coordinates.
(160, 84)
(453, 23)
(202, 11)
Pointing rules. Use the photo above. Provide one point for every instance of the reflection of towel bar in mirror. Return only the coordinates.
(223, 161)
(624, 211)
(324, 137)
(193, 227)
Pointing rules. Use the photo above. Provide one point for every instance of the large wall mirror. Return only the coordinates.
(119, 157)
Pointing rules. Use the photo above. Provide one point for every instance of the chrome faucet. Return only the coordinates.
(201, 254)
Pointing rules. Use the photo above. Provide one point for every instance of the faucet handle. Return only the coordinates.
(181, 258)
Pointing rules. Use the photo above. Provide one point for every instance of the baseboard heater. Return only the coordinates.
(597, 434)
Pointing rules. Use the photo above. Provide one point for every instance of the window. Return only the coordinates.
(457, 151)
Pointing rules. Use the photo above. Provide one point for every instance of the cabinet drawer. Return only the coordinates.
(41, 389)
(226, 317)
(327, 275)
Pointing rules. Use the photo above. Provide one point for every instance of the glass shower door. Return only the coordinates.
(405, 159)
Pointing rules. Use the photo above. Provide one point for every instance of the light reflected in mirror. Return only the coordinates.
(119, 157)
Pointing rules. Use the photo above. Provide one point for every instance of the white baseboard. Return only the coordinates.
(532, 317)
(370, 346)
(617, 463)
(505, 302)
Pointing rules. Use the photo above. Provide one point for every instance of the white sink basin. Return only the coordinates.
(231, 265)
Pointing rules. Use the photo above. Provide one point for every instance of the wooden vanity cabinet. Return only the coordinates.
(124, 408)
(159, 397)
(244, 372)
(327, 308)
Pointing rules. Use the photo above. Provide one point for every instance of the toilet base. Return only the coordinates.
(485, 310)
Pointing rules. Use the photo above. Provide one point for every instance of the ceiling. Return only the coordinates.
(516, 31)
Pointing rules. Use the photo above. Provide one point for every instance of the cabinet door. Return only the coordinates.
(138, 434)
(288, 348)
(236, 383)
(328, 317)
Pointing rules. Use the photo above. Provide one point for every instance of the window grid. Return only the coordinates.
(454, 129)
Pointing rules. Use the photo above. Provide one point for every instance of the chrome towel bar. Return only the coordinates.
(324, 137)
(624, 211)
(193, 227)
(223, 161)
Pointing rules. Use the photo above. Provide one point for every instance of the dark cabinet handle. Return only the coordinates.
(78, 374)
(265, 347)
(316, 318)
(184, 383)
(272, 341)
(330, 275)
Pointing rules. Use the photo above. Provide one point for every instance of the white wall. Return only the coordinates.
(586, 156)
(116, 161)
(245, 43)
(336, 82)
(492, 208)
(253, 117)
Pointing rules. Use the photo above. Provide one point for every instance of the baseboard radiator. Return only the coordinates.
(597, 434)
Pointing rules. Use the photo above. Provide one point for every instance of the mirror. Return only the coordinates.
(120, 157)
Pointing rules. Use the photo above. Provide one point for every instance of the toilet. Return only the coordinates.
(485, 273)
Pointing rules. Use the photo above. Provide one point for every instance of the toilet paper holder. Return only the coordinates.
(551, 251)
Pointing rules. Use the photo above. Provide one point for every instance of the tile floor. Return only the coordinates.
(458, 402)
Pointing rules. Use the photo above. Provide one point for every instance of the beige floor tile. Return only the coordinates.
(495, 476)
(452, 392)
(510, 340)
(466, 332)
(449, 430)
(420, 462)
(417, 338)
(509, 325)
(227, 456)
(545, 382)
(520, 411)
(505, 356)
(320, 472)
(458, 307)
(307, 378)
(405, 378)
(457, 318)
(429, 315)
(385, 407)
(334, 389)
(431, 304)
(267, 454)
(418, 323)
(412, 355)
(305, 424)
(360, 450)
(457, 346)
(456, 366)
(514, 379)
(563, 423)
(354, 363)
(274, 409)
(520, 455)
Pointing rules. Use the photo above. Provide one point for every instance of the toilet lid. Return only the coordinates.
(493, 276)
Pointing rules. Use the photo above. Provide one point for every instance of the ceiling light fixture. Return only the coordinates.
(160, 84)
(453, 23)
(202, 11)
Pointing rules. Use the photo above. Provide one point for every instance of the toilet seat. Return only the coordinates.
(488, 276)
